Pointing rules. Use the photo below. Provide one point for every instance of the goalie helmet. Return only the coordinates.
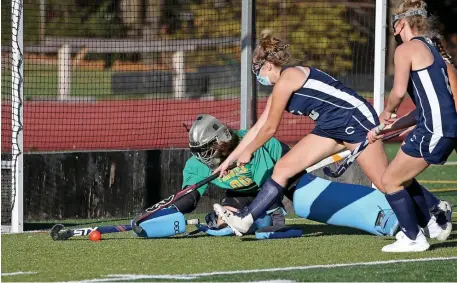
(204, 133)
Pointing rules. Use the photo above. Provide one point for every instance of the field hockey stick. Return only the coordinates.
(354, 154)
(59, 233)
(171, 199)
(324, 162)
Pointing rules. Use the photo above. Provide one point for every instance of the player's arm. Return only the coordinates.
(452, 73)
(191, 175)
(403, 122)
(250, 135)
(291, 80)
(402, 63)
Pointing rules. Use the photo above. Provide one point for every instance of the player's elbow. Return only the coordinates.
(398, 93)
(270, 130)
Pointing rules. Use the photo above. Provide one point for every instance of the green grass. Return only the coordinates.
(122, 253)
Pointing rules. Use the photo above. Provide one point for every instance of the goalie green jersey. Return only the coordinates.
(248, 178)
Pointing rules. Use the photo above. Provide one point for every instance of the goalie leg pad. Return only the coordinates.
(263, 222)
(342, 204)
(164, 223)
(227, 231)
(387, 223)
(278, 232)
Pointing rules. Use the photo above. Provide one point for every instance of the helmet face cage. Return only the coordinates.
(205, 133)
(205, 152)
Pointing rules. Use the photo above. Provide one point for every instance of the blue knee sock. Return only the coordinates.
(432, 203)
(265, 198)
(403, 206)
(430, 199)
(420, 204)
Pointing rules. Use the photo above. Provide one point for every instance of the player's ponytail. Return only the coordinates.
(439, 45)
(268, 41)
(271, 49)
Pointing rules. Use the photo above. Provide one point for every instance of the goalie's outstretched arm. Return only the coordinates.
(188, 203)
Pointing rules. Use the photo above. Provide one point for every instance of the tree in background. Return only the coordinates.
(320, 30)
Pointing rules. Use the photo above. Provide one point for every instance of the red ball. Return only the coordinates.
(95, 236)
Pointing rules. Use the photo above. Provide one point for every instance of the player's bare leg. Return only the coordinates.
(307, 152)
(373, 161)
(396, 181)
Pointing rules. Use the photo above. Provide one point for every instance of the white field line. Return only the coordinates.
(127, 277)
(18, 273)
(449, 163)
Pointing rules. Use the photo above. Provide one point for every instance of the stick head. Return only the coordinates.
(135, 226)
(58, 233)
(334, 174)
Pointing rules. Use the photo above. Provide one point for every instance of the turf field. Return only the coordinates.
(324, 253)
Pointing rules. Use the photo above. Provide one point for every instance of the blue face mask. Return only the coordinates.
(263, 80)
(256, 68)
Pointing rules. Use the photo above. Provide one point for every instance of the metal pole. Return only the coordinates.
(380, 55)
(42, 20)
(246, 55)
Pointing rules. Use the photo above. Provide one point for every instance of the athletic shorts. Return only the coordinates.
(355, 131)
(432, 148)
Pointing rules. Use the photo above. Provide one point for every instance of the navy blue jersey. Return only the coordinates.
(432, 95)
(330, 103)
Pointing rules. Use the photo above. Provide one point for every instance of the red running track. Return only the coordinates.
(129, 124)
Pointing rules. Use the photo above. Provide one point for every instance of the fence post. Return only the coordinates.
(179, 77)
(246, 55)
(64, 59)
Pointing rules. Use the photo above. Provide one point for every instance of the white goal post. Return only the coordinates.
(379, 57)
(14, 167)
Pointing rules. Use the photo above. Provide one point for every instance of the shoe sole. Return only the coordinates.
(222, 215)
(446, 232)
(448, 211)
(423, 248)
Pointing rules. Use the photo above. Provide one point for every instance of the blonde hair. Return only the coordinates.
(419, 23)
(271, 49)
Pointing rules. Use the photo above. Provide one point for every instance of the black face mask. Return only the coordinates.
(398, 39)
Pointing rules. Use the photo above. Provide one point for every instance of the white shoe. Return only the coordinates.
(446, 207)
(405, 244)
(400, 235)
(435, 231)
(239, 225)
